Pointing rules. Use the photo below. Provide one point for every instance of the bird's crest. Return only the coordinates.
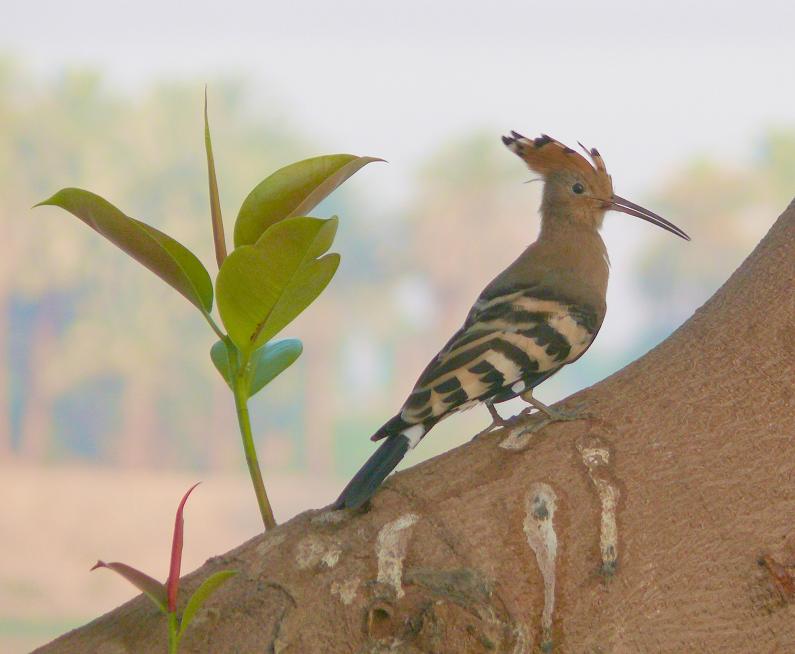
(546, 155)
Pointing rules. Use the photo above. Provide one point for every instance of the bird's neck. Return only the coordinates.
(575, 250)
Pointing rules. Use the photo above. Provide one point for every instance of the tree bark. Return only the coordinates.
(663, 523)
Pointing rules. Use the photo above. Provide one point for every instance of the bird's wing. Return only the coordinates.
(511, 341)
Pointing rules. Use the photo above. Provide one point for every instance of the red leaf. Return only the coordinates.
(172, 584)
(143, 582)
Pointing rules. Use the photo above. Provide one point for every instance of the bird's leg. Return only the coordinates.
(497, 421)
(554, 415)
(550, 415)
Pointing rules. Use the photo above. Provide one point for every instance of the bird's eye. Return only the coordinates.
(578, 188)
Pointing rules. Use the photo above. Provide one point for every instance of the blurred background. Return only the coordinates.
(109, 406)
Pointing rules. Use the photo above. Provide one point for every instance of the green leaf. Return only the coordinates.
(263, 287)
(219, 239)
(293, 191)
(272, 360)
(207, 588)
(143, 582)
(221, 357)
(167, 258)
(264, 366)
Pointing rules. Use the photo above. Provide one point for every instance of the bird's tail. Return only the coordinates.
(372, 473)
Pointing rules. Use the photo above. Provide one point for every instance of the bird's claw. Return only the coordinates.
(498, 422)
(532, 419)
(518, 437)
(566, 415)
(551, 415)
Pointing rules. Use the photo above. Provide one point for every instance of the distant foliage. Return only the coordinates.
(393, 303)
(729, 209)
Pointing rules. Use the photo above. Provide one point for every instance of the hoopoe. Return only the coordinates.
(539, 314)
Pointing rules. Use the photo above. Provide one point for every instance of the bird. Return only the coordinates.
(539, 314)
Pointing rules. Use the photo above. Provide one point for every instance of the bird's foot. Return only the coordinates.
(501, 423)
(498, 422)
(554, 415)
(564, 415)
(518, 438)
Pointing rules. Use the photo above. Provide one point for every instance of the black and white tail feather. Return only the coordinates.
(373, 472)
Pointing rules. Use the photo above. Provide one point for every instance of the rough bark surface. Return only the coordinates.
(663, 523)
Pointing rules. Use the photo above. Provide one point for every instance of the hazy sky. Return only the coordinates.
(646, 82)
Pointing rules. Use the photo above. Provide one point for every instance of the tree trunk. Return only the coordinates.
(663, 523)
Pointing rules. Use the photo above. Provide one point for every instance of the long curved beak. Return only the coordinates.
(618, 203)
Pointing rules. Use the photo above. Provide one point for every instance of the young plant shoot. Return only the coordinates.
(165, 595)
(279, 265)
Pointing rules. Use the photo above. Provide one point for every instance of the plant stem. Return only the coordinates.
(241, 404)
(173, 633)
(214, 325)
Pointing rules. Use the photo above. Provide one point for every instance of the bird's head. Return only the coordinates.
(574, 187)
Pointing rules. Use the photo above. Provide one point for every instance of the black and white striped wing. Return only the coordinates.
(509, 343)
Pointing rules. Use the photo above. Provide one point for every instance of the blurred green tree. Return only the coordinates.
(65, 328)
(728, 210)
(80, 324)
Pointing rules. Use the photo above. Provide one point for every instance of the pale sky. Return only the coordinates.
(646, 82)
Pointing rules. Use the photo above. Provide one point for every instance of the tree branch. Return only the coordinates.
(662, 524)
